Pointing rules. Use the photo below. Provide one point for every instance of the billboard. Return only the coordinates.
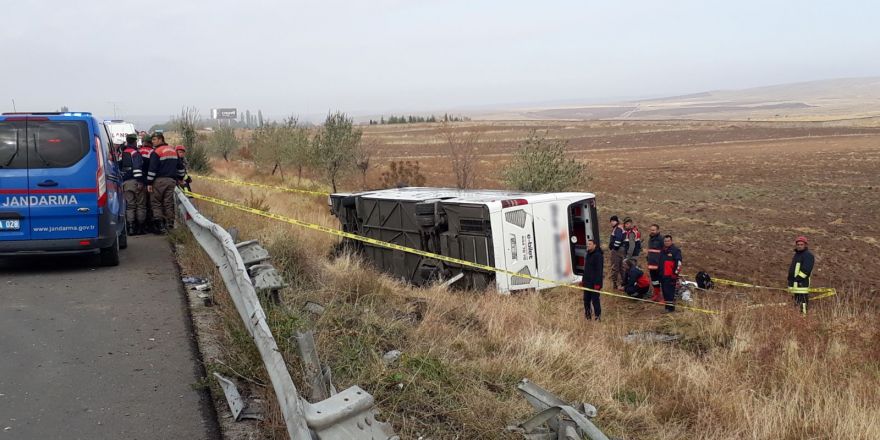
(224, 113)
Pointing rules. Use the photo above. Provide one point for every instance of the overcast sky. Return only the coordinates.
(290, 57)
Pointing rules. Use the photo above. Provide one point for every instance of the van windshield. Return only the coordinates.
(12, 141)
(56, 144)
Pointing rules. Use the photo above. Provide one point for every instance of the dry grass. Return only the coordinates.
(761, 373)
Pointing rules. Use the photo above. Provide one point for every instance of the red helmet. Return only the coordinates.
(180, 148)
(801, 238)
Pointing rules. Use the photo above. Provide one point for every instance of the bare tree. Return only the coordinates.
(403, 173)
(362, 159)
(188, 124)
(461, 146)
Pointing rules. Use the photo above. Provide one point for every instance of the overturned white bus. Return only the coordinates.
(541, 235)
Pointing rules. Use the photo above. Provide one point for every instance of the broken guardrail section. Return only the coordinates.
(348, 415)
(555, 419)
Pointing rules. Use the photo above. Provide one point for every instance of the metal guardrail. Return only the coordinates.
(349, 414)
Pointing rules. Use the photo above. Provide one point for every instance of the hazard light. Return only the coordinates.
(513, 202)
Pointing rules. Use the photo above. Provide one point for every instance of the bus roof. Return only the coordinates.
(464, 195)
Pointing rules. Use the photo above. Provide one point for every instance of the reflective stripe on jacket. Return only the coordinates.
(800, 270)
(655, 245)
(670, 262)
(632, 242)
(164, 162)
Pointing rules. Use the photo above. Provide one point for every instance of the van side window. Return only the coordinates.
(13, 145)
(111, 150)
(57, 144)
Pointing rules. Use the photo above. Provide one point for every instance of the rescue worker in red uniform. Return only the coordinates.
(670, 268)
(635, 282)
(655, 245)
(134, 186)
(799, 273)
(166, 171)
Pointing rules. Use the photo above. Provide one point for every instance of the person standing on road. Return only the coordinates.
(594, 275)
(655, 245)
(166, 171)
(181, 154)
(636, 283)
(146, 149)
(670, 268)
(799, 272)
(134, 186)
(614, 246)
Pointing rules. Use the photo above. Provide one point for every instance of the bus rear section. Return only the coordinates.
(544, 237)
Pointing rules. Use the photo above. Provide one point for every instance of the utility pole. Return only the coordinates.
(13, 105)
(115, 116)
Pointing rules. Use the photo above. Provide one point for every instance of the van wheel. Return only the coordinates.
(110, 255)
(123, 237)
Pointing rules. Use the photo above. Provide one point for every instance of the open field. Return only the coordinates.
(733, 197)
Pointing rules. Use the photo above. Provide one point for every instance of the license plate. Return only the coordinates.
(10, 225)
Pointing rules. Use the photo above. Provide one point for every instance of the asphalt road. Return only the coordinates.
(99, 353)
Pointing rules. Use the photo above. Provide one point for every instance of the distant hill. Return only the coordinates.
(846, 98)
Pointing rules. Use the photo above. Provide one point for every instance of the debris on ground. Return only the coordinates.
(391, 357)
(650, 337)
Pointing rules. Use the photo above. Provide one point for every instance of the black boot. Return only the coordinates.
(131, 229)
(159, 227)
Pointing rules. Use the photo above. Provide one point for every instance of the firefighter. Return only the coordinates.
(799, 273)
(166, 171)
(594, 275)
(670, 268)
(635, 281)
(655, 244)
(181, 154)
(134, 186)
(614, 246)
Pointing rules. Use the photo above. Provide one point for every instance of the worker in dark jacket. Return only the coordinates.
(614, 245)
(146, 149)
(655, 244)
(636, 283)
(799, 273)
(187, 180)
(670, 268)
(166, 171)
(133, 186)
(593, 275)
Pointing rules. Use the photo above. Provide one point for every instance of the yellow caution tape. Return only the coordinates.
(410, 250)
(260, 185)
(823, 292)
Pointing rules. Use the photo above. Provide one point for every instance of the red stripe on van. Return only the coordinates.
(49, 191)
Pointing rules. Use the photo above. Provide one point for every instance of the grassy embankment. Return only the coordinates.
(763, 373)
